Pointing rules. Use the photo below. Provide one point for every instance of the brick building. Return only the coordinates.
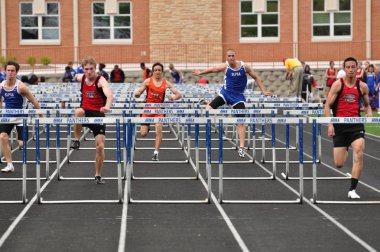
(131, 31)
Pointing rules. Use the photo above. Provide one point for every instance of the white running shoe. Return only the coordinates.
(353, 195)
(8, 168)
(241, 152)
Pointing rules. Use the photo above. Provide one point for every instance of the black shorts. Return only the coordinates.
(97, 129)
(345, 134)
(7, 128)
(218, 101)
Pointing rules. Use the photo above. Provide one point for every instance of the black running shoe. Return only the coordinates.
(99, 180)
(155, 157)
(75, 145)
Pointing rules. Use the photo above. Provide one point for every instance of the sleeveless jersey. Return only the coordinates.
(371, 83)
(12, 99)
(93, 97)
(347, 103)
(176, 76)
(155, 94)
(330, 81)
(235, 81)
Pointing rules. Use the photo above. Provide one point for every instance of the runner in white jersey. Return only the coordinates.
(232, 92)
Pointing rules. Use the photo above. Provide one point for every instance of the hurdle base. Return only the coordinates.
(134, 201)
(310, 178)
(297, 201)
(346, 202)
(160, 162)
(163, 178)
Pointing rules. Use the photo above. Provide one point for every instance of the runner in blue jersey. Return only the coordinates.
(232, 92)
(14, 94)
(177, 76)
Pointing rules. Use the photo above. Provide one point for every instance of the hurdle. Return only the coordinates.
(91, 120)
(334, 120)
(285, 105)
(297, 113)
(186, 120)
(273, 122)
(17, 120)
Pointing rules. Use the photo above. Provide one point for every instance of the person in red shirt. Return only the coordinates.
(330, 76)
(95, 101)
(155, 88)
(344, 100)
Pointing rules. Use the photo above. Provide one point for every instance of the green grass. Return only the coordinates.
(372, 128)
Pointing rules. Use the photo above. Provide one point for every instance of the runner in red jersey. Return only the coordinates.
(96, 100)
(344, 100)
(155, 87)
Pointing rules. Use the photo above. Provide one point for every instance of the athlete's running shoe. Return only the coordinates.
(99, 180)
(155, 157)
(75, 145)
(241, 152)
(8, 168)
(353, 195)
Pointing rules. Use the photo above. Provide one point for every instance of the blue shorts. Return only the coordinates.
(231, 98)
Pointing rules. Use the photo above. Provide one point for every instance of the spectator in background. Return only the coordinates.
(360, 72)
(203, 80)
(102, 72)
(294, 71)
(42, 79)
(67, 77)
(72, 70)
(80, 69)
(371, 83)
(330, 76)
(177, 76)
(147, 73)
(33, 80)
(117, 75)
(3, 76)
(307, 84)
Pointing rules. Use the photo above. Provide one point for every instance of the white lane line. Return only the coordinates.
(123, 224)
(228, 221)
(328, 217)
(16, 221)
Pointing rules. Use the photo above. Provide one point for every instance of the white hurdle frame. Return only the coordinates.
(184, 120)
(271, 121)
(86, 120)
(340, 120)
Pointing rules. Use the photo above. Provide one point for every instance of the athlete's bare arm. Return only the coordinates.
(24, 91)
(141, 90)
(335, 88)
(216, 69)
(365, 94)
(257, 79)
(177, 95)
(103, 84)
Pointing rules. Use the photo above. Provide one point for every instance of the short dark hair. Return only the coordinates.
(12, 63)
(158, 64)
(350, 59)
(142, 64)
(102, 65)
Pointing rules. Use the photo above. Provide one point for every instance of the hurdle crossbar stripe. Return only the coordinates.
(345, 120)
(304, 112)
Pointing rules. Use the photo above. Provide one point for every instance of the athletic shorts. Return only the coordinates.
(151, 115)
(7, 128)
(219, 101)
(97, 129)
(345, 134)
(231, 98)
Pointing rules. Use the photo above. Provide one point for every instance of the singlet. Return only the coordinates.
(93, 97)
(235, 81)
(155, 94)
(371, 83)
(175, 75)
(347, 103)
(330, 81)
(12, 99)
(359, 72)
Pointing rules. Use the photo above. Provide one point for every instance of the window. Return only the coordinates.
(42, 28)
(259, 25)
(335, 24)
(111, 27)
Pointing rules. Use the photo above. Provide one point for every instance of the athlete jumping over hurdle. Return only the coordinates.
(233, 89)
(13, 93)
(155, 87)
(344, 99)
(96, 100)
